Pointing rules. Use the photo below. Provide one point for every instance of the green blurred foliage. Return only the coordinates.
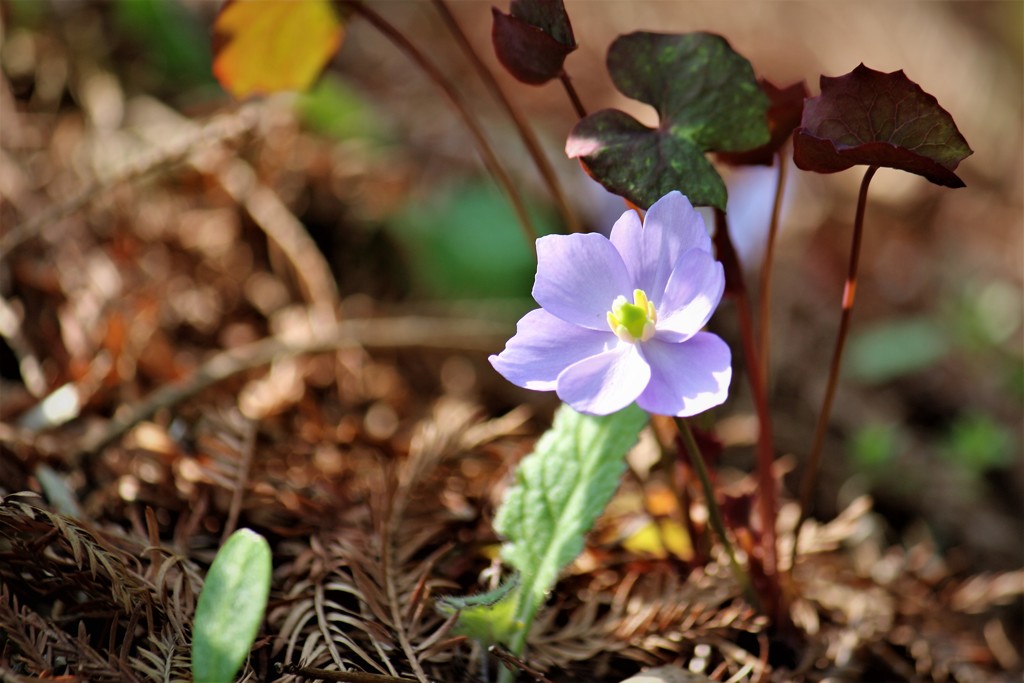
(894, 349)
(978, 444)
(335, 109)
(980, 321)
(174, 43)
(26, 13)
(974, 445)
(985, 314)
(875, 446)
(464, 243)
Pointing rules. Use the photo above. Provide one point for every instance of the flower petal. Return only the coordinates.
(627, 236)
(686, 378)
(671, 227)
(605, 383)
(578, 278)
(692, 294)
(543, 347)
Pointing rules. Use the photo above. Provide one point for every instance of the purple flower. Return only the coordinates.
(620, 318)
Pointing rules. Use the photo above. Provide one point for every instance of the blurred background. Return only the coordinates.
(385, 179)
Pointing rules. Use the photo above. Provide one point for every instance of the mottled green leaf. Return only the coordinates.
(787, 106)
(707, 101)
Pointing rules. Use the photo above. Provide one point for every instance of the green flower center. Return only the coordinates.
(633, 322)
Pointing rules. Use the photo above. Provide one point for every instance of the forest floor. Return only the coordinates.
(205, 327)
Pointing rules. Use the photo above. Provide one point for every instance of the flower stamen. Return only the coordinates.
(633, 322)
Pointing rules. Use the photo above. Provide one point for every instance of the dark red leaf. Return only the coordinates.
(784, 112)
(547, 15)
(533, 41)
(877, 119)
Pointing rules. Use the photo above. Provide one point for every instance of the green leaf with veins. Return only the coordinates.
(560, 490)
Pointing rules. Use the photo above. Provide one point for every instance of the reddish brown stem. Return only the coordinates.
(849, 292)
(525, 132)
(735, 286)
(574, 97)
(764, 307)
(490, 158)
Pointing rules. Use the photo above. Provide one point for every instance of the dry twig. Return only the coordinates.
(464, 335)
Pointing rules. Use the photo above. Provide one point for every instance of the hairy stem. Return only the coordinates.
(735, 286)
(714, 514)
(667, 464)
(574, 97)
(525, 132)
(810, 477)
(764, 307)
(490, 158)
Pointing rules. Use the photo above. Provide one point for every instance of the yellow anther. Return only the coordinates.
(633, 322)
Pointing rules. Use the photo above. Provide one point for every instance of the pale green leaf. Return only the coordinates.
(231, 607)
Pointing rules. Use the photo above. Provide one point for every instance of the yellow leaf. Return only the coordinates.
(646, 540)
(658, 539)
(265, 46)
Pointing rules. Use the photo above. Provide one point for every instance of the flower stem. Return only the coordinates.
(734, 285)
(667, 464)
(714, 514)
(525, 132)
(574, 97)
(490, 158)
(764, 307)
(809, 479)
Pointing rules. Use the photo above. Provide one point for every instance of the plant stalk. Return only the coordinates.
(809, 479)
(525, 132)
(487, 152)
(714, 514)
(734, 285)
(574, 96)
(764, 303)
(667, 465)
